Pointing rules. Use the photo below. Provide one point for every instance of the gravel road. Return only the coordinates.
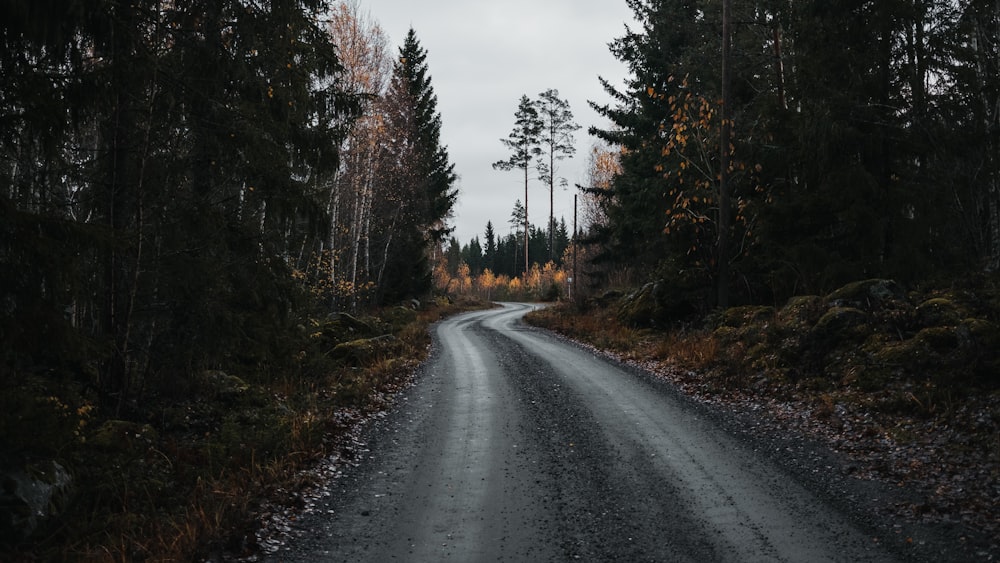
(514, 445)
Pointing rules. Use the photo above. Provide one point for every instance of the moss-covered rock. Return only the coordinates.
(907, 355)
(217, 384)
(354, 323)
(802, 311)
(940, 311)
(841, 323)
(747, 315)
(32, 491)
(678, 294)
(726, 334)
(342, 327)
(642, 307)
(980, 334)
(940, 339)
(869, 295)
(398, 317)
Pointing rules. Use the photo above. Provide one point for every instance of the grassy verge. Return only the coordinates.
(185, 479)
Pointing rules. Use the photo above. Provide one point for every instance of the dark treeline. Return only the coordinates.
(173, 195)
(866, 143)
(504, 255)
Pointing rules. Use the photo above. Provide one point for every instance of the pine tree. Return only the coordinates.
(557, 143)
(524, 143)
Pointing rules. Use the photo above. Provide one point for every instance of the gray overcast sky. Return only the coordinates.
(482, 56)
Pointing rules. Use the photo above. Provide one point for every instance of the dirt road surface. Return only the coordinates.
(515, 445)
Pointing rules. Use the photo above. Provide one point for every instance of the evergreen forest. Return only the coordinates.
(226, 223)
(199, 200)
(182, 182)
(863, 137)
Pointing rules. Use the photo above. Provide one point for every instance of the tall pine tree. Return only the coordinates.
(524, 143)
(556, 141)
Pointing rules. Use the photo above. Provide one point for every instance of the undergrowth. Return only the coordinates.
(182, 479)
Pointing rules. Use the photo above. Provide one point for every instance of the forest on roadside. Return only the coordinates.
(865, 143)
(199, 202)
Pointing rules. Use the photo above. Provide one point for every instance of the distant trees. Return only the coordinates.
(543, 135)
(502, 255)
(857, 130)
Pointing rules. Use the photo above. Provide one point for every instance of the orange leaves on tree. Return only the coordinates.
(690, 137)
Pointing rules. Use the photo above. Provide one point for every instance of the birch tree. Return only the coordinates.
(365, 53)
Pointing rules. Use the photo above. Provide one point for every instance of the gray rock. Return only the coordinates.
(30, 493)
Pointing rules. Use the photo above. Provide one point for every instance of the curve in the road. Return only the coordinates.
(517, 446)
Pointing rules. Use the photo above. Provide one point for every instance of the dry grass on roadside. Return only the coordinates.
(685, 348)
(600, 329)
(695, 350)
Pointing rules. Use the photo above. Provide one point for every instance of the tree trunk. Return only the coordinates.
(993, 260)
(120, 206)
(333, 210)
(988, 46)
(552, 199)
(779, 68)
(526, 219)
(724, 143)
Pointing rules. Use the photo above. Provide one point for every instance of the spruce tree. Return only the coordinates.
(425, 177)
(490, 250)
(186, 141)
(432, 165)
(636, 203)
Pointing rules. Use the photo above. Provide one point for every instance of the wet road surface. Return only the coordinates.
(514, 445)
